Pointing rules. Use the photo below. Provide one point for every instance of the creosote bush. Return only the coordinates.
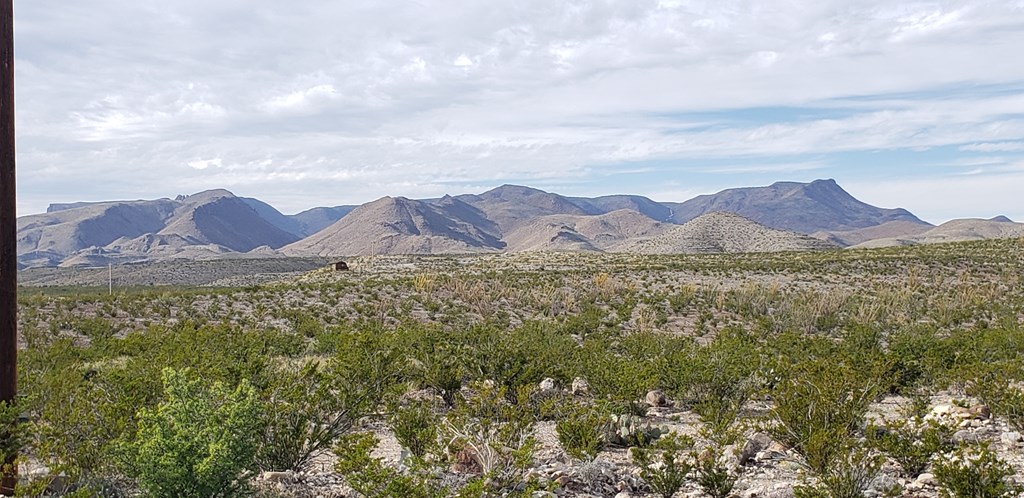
(13, 434)
(913, 443)
(819, 406)
(581, 432)
(665, 465)
(713, 477)
(199, 442)
(493, 432)
(848, 476)
(370, 477)
(975, 472)
(416, 427)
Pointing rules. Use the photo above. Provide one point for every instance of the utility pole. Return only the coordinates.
(8, 235)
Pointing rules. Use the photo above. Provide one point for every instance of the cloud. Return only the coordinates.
(343, 101)
(302, 100)
(767, 168)
(994, 147)
(205, 163)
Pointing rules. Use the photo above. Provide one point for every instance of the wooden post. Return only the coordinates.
(8, 232)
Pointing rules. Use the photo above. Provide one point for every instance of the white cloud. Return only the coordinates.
(302, 100)
(924, 22)
(994, 147)
(450, 95)
(206, 163)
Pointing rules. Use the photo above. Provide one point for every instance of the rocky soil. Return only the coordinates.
(765, 468)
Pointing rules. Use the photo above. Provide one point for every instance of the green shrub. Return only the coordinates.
(200, 442)
(994, 387)
(717, 379)
(975, 472)
(714, 478)
(79, 413)
(819, 405)
(519, 357)
(369, 476)
(617, 375)
(666, 465)
(847, 477)
(912, 443)
(307, 408)
(440, 366)
(415, 427)
(13, 434)
(582, 431)
(494, 432)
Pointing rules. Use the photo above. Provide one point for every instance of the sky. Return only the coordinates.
(320, 103)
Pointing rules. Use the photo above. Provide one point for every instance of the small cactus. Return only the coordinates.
(630, 430)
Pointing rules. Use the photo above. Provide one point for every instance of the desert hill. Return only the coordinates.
(721, 232)
(955, 231)
(799, 207)
(134, 230)
(510, 206)
(889, 229)
(396, 225)
(581, 233)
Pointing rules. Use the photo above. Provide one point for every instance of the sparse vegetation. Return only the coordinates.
(444, 357)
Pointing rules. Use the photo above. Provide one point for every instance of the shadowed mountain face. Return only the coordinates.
(509, 206)
(313, 220)
(821, 205)
(227, 221)
(216, 223)
(608, 203)
(213, 218)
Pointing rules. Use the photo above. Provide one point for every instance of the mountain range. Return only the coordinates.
(510, 218)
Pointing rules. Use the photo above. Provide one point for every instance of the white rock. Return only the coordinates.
(580, 386)
(271, 476)
(1012, 437)
(547, 384)
(656, 398)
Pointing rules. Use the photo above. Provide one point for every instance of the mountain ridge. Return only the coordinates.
(507, 218)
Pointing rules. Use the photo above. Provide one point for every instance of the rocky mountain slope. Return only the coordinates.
(510, 206)
(608, 203)
(581, 233)
(511, 218)
(799, 207)
(721, 232)
(396, 225)
(955, 231)
(213, 222)
(890, 229)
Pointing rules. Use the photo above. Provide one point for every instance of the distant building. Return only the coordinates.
(341, 266)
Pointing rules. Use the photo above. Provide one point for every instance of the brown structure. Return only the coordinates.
(341, 266)
(8, 234)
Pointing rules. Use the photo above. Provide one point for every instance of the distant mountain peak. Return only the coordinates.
(506, 218)
(821, 205)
